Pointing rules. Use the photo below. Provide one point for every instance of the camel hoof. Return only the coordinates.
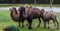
(48, 27)
(29, 28)
(22, 26)
(26, 24)
(38, 26)
(18, 26)
(44, 27)
(57, 28)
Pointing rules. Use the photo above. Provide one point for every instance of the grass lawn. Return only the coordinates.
(44, 5)
(5, 21)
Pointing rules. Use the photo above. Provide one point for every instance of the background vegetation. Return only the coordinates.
(29, 1)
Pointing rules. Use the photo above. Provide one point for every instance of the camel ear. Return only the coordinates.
(11, 9)
(31, 7)
(43, 11)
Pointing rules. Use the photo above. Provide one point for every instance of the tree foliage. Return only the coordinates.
(30, 1)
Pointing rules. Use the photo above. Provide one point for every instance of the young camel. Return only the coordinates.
(49, 15)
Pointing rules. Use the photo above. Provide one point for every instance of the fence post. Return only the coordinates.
(34, 1)
(51, 2)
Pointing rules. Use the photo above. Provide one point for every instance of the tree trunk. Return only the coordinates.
(34, 1)
(51, 2)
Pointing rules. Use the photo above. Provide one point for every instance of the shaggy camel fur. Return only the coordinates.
(49, 15)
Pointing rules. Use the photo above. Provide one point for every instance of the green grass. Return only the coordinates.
(5, 21)
(44, 5)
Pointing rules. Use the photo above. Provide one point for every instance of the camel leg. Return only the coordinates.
(44, 23)
(57, 23)
(48, 24)
(22, 23)
(19, 22)
(39, 22)
(54, 23)
(30, 22)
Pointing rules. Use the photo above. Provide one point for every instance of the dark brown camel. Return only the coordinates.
(15, 15)
(49, 15)
(30, 13)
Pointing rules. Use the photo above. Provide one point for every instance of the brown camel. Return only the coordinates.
(30, 13)
(15, 15)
